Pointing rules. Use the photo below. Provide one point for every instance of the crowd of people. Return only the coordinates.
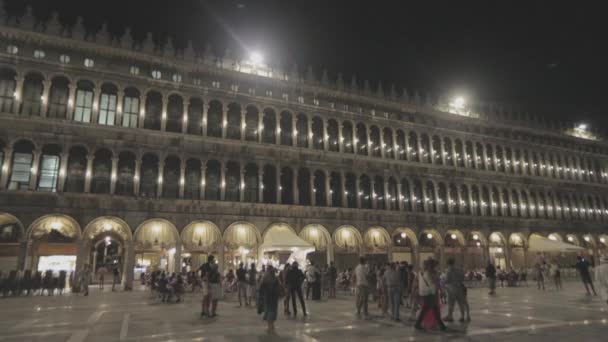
(28, 282)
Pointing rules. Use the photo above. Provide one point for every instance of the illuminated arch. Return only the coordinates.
(156, 233)
(242, 234)
(317, 235)
(347, 237)
(201, 235)
(64, 224)
(407, 232)
(108, 224)
(7, 219)
(376, 238)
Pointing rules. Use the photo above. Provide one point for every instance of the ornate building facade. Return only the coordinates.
(120, 151)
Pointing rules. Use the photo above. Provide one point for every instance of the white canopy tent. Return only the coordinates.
(282, 239)
(542, 244)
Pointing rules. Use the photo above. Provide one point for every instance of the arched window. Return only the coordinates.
(84, 101)
(465, 204)
(401, 153)
(286, 129)
(319, 189)
(335, 185)
(21, 166)
(350, 185)
(130, 108)
(413, 148)
(392, 194)
(32, 95)
(175, 113)
(148, 176)
(195, 117)
(154, 108)
(7, 90)
(269, 181)
(361, 139)
(286, 185)
(233, 129)
(125, 173)
(317, 133)
(107, 105)
(347, 137)
(454, 200)
(251, 183)
(214, 119)
(405, 195)
(379, 194)
(442, 200)
(171, 177)
(431, 201)
(269, 127)
(76, 169)
(475, 203)
(365, 192)
(304, 186)
(102, 172)
(332, 135)
(213, 181)
(251, 123)
(193, 179)
(49, 168)
(58, 102)
(302, 130)
(374, 141)
(233, 181)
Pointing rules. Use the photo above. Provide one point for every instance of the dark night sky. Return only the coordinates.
(530, 53)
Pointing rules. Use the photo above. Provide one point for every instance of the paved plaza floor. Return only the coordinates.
(515, 314)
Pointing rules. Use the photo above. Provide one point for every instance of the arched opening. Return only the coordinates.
(251, 183)
(335, 186)
(200, 239)
(379, 194)
(195, 116)
(53, 248)
(286, 129)
(500, 166)
(59, 98)
(83, 107)
(149, 176)
(347, 244)
(241, 242)
(76, 169)
(388, 144)
(437, 150)
(171, 177)
(32, 94)
(442, 200)
(252, 123)
(431, 201)
(317, 133)
(413, 146)
(392, 194)
(454, 244)
(302, 130)
(350, 187)
(374, 141)
(106, 240)
(319, 237)
(269, 127)
(156, 247)
(469, 154)
(347, 137)
(49, 168)
(332, 135)
(214, 119)
(404, 245)
(269, 184)
(193, 178)
(475, 256)
(102, 172)
(130, 108)
(125, 174)
(304, 187)
(233, 180)
(21, 165)
(175, 113)
(425, 148)
(405, 195)
(233, 121)
(107, 104)
(11, 234)
(365, 192)
(286, 186)
(430, 244)
(518, 254)
(418, 196)
(401, 153)
(460, 155)
(154, 109)
(361, 139)
(448, 152)
(319, 188)
(213, 177)
(7, 90)
(376, 242)
(498, 250)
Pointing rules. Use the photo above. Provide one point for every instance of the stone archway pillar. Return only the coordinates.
(416, 257)
(331, 255)
(486, 255)
(221, 259)
(129, 268)
(525, 257)
(463, 257)
(81, 257)
(441, 257)
(389, 250)
(507, 252)
(27, 262)
(177, 258)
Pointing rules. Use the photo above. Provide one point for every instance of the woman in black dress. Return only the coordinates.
(268, 297)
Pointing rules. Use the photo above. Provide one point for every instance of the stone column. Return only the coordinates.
(81, 260)
(400, 205)
(382, 144)
(368, 131)
(129, 265)
(203, 177)
(89, 173)
(408, 149)
(71, 102)
(95, 112)
(374, 194)
(205, 114)
(475, 157)
(278, 184)
(182, 177)
(63, 170)
(325, 135)
(159, 182)
(46, 91)
(485, 158)
(177, 257)
(309, 137)
(222, 180)
(224, 122)
(358, 190)
(328, 191)
(163, 120)
(186, 104)
(395, 146)
(261, 184)
(18, 96)
(241, 182)
(260, 125)
(113, 175)
(277, 136)
(120, 95)
(34, 170)
(136, 181)
(296, 191)
(340, 138)
(221, 258)
(294, 130)
(243, 124)
(27, 264)
(343, 189)
(313, 193)
(142, 111)
(387, 200)
(6, 167)
(442, 151)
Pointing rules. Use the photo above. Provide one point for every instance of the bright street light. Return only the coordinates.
(256, 58)
(458, 102)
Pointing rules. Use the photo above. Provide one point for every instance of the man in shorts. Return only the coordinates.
(241, 285)
(211, 287)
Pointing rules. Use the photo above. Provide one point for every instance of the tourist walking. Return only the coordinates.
(85, 278)
(241, 285)
(283, 281)
(601, 277)
(252, 275)
(101, 275)
(211, 287)
(539, 275)
(491, 275)
(361, 281)
(268, 297)
(333, 275)
(454, 284)
(294, 280)
(393, 282)
(582, 265)
(556, 275)
(428, 291)
(115, 277)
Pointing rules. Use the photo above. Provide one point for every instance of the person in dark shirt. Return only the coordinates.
(252, 276)
(211, 287)
(294, 279)
(582, 266)
(491, 275)
(333, 275)
(241, 285)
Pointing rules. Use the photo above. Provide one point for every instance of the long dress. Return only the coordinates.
(269, 293)
(429, 322)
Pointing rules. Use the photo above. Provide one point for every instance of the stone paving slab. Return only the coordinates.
(515, 314)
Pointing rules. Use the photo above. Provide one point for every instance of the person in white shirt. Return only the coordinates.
(601, 277)
(361, 275)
